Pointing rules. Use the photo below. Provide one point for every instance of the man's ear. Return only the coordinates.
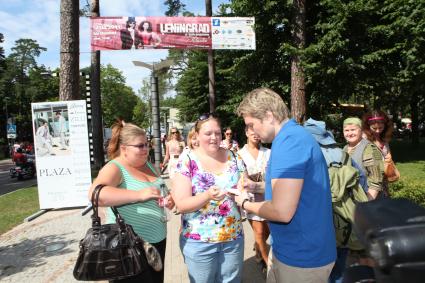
(269, 117)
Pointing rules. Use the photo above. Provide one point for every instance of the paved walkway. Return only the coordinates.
(6, 164)
(45, 250)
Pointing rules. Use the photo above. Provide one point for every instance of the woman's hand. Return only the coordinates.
(149, 193)
(246, 184)
(169, 202)
(215, 193)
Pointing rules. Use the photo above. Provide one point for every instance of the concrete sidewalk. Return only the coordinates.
(45, 250)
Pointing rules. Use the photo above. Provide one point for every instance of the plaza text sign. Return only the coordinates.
(62, 153)
(121, 33)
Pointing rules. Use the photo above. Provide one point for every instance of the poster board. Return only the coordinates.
(62, 153)
(121, 33)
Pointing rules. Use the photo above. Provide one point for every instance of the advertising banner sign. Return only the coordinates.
(121, 33)
(62, 153)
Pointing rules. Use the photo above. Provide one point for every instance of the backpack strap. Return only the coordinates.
(345, 158)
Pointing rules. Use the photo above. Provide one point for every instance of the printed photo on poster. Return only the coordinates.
(51, 130)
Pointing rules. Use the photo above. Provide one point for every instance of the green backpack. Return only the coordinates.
(346, 192)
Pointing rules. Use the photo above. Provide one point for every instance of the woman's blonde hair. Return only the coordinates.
(190, 135)
(260, 100)
(170, 135)
(122, 133)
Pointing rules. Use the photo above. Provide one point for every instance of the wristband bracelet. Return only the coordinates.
(243, 203)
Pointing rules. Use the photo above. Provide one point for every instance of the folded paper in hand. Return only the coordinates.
(234, 191)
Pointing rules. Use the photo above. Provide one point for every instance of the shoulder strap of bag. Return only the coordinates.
(190, 166)
(95, 204)
(234, 158)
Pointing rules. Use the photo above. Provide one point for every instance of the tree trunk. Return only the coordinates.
(211, 65)
(298, 108)
(69, 76)
(414, 100)
(96, 101)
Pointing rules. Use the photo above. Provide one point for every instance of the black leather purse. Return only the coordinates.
(109, 251)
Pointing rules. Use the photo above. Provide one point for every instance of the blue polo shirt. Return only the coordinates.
(308, 240)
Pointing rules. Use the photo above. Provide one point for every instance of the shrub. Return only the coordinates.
(410, 189)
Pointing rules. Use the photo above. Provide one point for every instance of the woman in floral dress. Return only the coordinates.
(212, 239)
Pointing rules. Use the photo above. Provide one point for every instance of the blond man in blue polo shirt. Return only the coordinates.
(298, 198)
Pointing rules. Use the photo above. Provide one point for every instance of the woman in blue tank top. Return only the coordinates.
(134, 187)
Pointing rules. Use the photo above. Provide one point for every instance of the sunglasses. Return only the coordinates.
(228, 134)
(139, 146)
(174, 132)
(206, 116)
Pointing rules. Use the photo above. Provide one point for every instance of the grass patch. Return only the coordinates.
(16, 206)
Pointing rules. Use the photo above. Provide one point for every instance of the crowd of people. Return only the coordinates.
(284, 191)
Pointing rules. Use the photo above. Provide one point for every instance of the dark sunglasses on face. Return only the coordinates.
(228, 134)
(174, 132)
(139, 146)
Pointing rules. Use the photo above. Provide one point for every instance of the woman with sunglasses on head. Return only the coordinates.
(173, 148)
(134, 187)
(211, 239)
(378, 129)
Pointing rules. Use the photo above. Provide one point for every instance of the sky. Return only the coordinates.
(39, 20)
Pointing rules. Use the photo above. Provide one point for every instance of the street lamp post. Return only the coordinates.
(155, 68)
(166, 116)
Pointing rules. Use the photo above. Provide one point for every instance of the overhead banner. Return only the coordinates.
(62, 153)
(121, 33)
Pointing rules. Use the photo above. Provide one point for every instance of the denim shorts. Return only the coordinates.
(213, 262)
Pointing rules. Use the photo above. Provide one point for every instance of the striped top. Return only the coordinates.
(145, 217)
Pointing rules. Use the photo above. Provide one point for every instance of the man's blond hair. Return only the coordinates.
(260, 100)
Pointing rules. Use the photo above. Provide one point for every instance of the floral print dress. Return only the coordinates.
(217, 221)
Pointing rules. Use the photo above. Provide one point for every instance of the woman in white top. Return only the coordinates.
(173, 149)
(255, 157)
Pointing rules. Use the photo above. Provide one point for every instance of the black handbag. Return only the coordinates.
(109, 251)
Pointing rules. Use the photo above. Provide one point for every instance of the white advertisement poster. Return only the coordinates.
(62, 153)
(233, 33)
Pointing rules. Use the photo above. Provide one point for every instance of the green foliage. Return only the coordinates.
(365, 51)
(410, 161)
(118, 99)
(24, 54)
(174, 7)
(141, 114)
(412, 190)
(21, 82)
(13, 214)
